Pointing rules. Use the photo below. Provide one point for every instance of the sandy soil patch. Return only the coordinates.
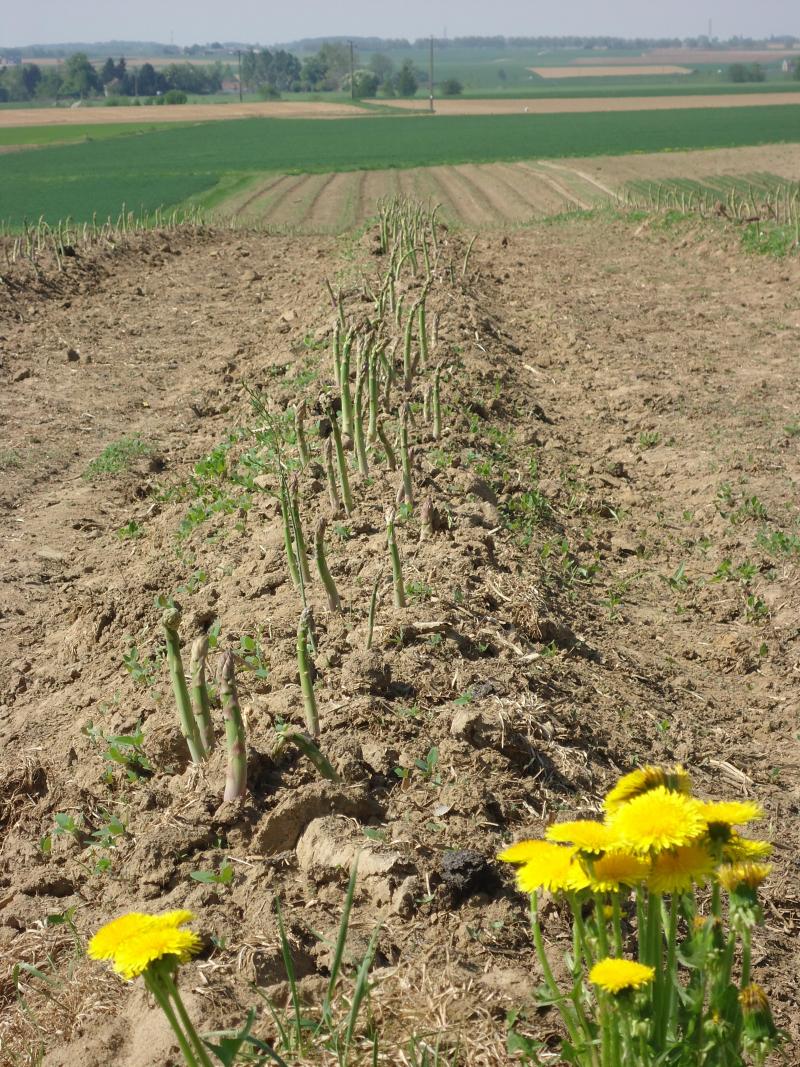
(628, 103)
(85, 116)
(616, 71)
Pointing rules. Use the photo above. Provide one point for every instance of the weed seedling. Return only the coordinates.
(223, 875)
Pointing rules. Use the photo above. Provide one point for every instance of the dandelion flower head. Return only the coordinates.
(134, 941)
(642, 780)
(657, 820)
(677, 870)
(751, 875)
(614, 975)
(616, 869)
(585, 834)
(544, 865)
(731, 812)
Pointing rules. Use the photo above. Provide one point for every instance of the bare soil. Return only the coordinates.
(641, 380)
(612, 103)
(84, 116)
(491, 195)
(615, 70)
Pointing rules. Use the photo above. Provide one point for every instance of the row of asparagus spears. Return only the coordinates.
(358, 411)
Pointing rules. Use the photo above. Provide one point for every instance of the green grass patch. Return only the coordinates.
(167, 166)
(117, 457)
(49, 135)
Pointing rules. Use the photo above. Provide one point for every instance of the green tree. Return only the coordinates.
(406, 80)
(109, 71)
(452, 87)
(383, 66)
(80, 77)
(365, 83)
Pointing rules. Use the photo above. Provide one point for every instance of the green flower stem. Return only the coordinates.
(747, 950)
(640, 926)
(568, 1017)
(170, 621)
(154, 982)
(654, 956)
(235, 738)
(616, 923)
(580, 928)
(668, 1028)
(600, 923)
(202, 1056)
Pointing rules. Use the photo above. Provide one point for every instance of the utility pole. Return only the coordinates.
(352, 72)
(239, 54)
(430, 75)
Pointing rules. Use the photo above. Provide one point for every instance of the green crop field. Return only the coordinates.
(167, 166)
(44, 135)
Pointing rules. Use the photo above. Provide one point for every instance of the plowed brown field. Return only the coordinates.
(639, 384)
(489, 195)
(614, 103)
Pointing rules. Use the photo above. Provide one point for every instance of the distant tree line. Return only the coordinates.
(327, 70)
(79, 78)
(393, 44)
(752, 72)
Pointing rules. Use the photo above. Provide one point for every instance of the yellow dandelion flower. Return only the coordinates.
(586, 834)
(559, 874)
(615, 976)
(753, 999)
(642, 780)
(616, 869)
(657, 820)
(677, 870)
(743, 874)
(731, 812)
(134, 941)
(544, 865)
(738, 849)
(523, 851)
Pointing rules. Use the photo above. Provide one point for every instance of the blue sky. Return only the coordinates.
(189, 21)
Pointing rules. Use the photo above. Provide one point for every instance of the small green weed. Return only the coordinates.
(648, 439)
(131, 531)
(117, 457)
(223, 875)
(143, 671)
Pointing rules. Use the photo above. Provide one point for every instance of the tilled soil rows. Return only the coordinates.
(611, 578)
